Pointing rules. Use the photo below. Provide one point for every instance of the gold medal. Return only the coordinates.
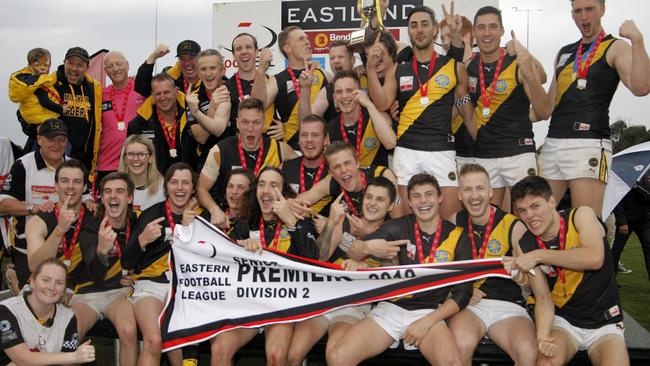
(424, 101)
(582, 84)
(486, 112)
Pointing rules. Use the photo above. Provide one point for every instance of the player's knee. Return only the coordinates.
(465, 346)
(545, 361)
(450, 360)
(221, 353)
(153, 343)
(337, 356)
(276, 354)
(127, 331)
(295, 356)
(525, 353)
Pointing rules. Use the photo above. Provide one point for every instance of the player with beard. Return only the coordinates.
(209, 106)
(103, 289)
(283, 89)
(359, 123)
(427, 90)
(184, 72)
(333, 242)
(267, 223)
(346, 177)
(249, 149)
(577, 151)
(305, 171)
(417, 318)
(497, 307)
(146, 256)
(56, 233)
(574, 273)
(240, 85)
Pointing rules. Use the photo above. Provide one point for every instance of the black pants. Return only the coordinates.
(642, 230)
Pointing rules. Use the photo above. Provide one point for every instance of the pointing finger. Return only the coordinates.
(66, 200)
(444, 11)
(157, 221)
(398, 242)
(378, 37)
(278, 194)
(105, 222)
(338, 199)
(452, 7)
(512, 35)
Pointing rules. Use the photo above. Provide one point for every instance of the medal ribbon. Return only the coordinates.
(321, 169)
(170, 216)
(296, 87)
(276, 237)
(120, 116)
(65, 248)
(541, 245)
(118, 249)
(242, 157)
(240, 90)
(348, 201)
(171, 141)
(359, 132)
(434, 245)
(424, 88)
(486, 236)
(485, 99)
(580, 67)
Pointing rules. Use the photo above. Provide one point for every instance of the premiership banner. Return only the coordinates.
(216, 285)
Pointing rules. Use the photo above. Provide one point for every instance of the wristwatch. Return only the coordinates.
(30, 209)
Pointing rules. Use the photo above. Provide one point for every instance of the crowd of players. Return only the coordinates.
(412, 157)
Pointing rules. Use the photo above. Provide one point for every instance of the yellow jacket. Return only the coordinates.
(22, 85)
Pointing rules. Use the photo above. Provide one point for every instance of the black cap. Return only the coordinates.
(79, 52)
(188, 47)
(53, 127)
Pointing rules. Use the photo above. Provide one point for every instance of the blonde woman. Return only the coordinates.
(138, 160)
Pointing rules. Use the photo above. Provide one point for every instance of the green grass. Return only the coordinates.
(635, 287)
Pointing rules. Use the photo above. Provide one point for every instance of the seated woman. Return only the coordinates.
(267, 222)
(35, 329)
(138, 160)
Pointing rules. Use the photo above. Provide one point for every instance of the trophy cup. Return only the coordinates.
(370, 20)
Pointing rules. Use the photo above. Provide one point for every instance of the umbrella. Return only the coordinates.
(628, 166)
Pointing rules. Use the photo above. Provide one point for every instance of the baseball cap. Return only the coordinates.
(53, 127)
(188, 47)
(79, 52)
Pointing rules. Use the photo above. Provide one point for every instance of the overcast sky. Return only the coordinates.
(129, 26)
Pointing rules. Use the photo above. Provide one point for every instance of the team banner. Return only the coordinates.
(216, 285)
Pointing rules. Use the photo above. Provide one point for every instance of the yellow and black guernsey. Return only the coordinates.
(357, 197)
(146, 123)
(589, 299)
(76, 269)
(247, 87)
(426, 127)
(463, 141)
(372, 152)
(101, 273)
(300, 240)
(583, 114)
(499, 244)
(227, 158)
(331, 110)
(286, 101)
(338, 256)
(507, 131)
(291, 170)
(453, 246)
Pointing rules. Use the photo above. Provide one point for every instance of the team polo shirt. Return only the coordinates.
(21, 325)
(584, 113)
(426, 127)
(499, 244)
(300, 241)
(453, 246)
(30, 180)
(286, 101)
(112, 137)
(586, 299)
(291, 170)
(371, 152)
(507, 131)
(224, 157)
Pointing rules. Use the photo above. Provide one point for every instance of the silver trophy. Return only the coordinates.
(370, 20)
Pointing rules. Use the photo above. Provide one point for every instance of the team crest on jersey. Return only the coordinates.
(7, 183)
(442, 80)
(405, 83)
(284, 233)
(494, 246)
(501, 87)
(5, 326)
(563, 59)
(370, 143)
(442, 256)
(473, 82)
(315, 79)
